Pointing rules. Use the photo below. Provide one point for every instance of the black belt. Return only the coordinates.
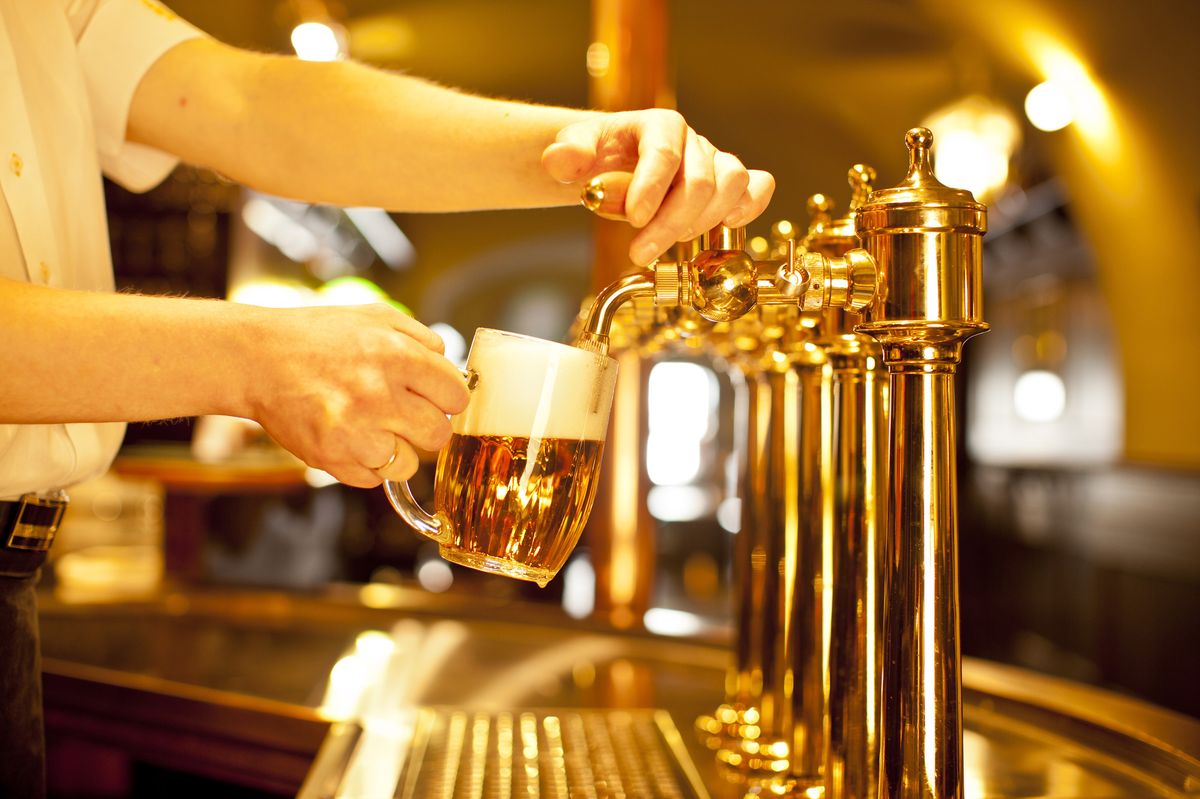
(27, 528)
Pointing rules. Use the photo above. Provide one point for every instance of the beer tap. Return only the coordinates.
(780, 546)
(714, 277)
(917, 283)
(917, 280)
(853, 444)
(712, 282)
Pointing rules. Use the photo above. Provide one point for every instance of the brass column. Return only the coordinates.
(746, 688)
(853, 463)
(857, 441)
(926, 241)
(804, 605)
(919, 281)
(740, 344)
(749, 737)
(791, 729)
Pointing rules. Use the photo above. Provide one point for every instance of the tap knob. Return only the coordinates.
(604, 195)
(927, 239)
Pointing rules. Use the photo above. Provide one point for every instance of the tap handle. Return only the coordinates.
(604, 195)
(724, 238)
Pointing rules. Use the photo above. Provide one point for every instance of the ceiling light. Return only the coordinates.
(1039, 396)
(974, 139)
(316, 41)
(1048, 106)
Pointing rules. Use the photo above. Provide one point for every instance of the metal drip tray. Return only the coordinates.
(533, 754)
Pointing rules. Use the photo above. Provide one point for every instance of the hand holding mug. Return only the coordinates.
(516, 482)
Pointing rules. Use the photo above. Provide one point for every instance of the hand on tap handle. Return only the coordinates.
(679, 184)
(605, 196)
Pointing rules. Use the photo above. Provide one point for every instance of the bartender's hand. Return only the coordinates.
(343, 388)
(682, 185)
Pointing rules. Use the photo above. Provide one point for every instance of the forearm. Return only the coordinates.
(74, 356)
(341, 387)
(347, 134)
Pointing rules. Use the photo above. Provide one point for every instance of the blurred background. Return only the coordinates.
(1074, 120)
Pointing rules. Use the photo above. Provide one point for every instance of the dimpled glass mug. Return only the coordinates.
(516, 482)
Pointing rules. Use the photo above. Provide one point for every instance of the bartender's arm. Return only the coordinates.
(345, 389)
(347, 134)
(341, 388)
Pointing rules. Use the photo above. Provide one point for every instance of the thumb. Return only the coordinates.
(573, 154)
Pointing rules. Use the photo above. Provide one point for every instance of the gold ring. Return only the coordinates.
(395, 454)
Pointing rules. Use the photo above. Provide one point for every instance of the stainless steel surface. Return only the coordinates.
(446, 753)
(1026, 735)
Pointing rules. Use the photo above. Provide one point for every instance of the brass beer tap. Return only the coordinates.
(716, 281)
(897, 281)
(853, 463)
(714, 277)
(922, 254)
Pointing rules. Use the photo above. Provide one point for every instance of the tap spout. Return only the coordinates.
(604, 309)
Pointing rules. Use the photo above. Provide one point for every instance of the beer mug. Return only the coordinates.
(516, 482)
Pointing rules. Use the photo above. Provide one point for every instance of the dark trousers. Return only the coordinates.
(22, 743)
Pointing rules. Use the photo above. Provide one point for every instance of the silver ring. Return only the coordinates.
(395, 454)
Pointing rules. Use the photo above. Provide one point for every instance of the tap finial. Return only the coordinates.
(919, 142)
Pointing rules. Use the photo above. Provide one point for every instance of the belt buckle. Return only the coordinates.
(36, 521)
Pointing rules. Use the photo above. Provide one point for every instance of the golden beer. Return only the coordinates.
(515, 505)
(516, 482)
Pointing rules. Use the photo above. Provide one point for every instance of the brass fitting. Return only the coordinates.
(820, 282)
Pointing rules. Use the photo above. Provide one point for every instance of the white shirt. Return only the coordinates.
(68, 71)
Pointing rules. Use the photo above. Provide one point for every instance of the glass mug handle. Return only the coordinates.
(402, 501)
(400, 495)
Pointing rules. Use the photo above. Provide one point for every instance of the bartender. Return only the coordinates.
(125, 88)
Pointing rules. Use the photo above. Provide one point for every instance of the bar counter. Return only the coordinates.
(229, 685)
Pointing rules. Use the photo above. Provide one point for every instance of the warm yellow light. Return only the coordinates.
(271, 293)
(1039, 395)
(1048, 106)
(968, 161)
(343, 694)
(1091, 114)
(380, 595)
(316, 41)
(374, 645)
(598, 59)
(973, 142)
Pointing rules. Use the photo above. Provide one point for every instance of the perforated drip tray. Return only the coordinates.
(435, 753)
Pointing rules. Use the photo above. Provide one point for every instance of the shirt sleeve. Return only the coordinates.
(120, 42)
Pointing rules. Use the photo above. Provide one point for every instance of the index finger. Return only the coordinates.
(438, 381)
(414, 329)
(754, 200)
(660, 154)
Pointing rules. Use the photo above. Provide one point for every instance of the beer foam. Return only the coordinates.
(530, 388)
